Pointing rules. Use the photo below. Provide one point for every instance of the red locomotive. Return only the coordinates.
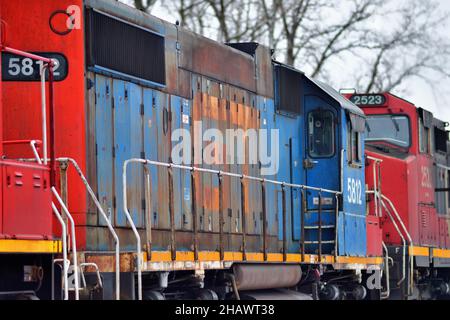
(409, 151)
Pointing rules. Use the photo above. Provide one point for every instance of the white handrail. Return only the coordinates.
(385, 295)
(105, 217)
(411, 258)
(64, 249)
(192, 169)
(98, 205)
(44, 112)
(35, 152)
(97, 271)
(131, 222)
(74, 242)
(401, 236)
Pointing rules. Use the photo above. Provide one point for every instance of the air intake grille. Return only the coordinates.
(121, 47)
(289, 90)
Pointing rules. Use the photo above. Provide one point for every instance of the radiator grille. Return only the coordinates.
(121, 47)
(289, 90)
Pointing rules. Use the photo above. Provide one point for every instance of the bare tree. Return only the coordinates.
(390, 41)
(410, 49)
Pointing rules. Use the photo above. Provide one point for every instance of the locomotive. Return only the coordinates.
(288, 206)
(409, 172)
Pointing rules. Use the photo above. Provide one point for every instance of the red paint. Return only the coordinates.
(26, 208)
(21, 100)
(404, 182)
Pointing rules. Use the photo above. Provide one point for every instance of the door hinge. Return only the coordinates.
(142, 109)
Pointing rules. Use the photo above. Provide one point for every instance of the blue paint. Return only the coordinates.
(104, 145)
(128, 144)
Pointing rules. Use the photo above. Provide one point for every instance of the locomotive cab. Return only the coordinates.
(408, 177)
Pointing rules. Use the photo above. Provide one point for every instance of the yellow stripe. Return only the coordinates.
(274, 257)
(441, 253)
(255, 257)
(419, 251)
(360, 260)
(30, 246)
(233, 256)
(161, 256)
(165, 256)
(207, 256)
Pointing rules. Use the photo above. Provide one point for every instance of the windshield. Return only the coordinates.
(392, 129)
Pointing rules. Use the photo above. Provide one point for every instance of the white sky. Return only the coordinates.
(419, 92)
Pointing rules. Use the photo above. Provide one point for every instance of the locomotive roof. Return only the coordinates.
(343, 102)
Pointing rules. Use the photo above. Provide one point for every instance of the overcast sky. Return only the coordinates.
(417, 91)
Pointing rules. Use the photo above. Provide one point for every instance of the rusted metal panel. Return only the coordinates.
(264, 72)
(206, 218)
(104, 136)
(91, 156)
(175, 123)
(214, 124)
(129, 14)
(164, 152)
(128, 144)
(224, 119)
(150, 139)
(207, 57)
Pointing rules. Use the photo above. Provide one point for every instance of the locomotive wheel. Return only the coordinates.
(330, 292)
(153, 295)
(205, 294)
(359, 293)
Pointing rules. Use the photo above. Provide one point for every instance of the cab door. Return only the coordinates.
(321, 159)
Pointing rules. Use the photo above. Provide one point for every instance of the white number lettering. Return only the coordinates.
(14, 67)
(27, 67)
(354, 190)
(56, 65)
(426, 178)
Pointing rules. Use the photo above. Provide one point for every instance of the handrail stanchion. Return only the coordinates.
(64, 250)
(221, 219)
(283, 205)
(74, 242)
(104, 216)
(131, 222)
(385, 295)
(264, 213)
(336, 228)
(173, 248)
(302, 219)
(44, 113)
(194, 213)
(244, 220)
(319, 217)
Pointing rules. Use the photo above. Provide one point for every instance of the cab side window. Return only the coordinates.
(321, 134)
(424, 138)
(355, 126)
(354, 146)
